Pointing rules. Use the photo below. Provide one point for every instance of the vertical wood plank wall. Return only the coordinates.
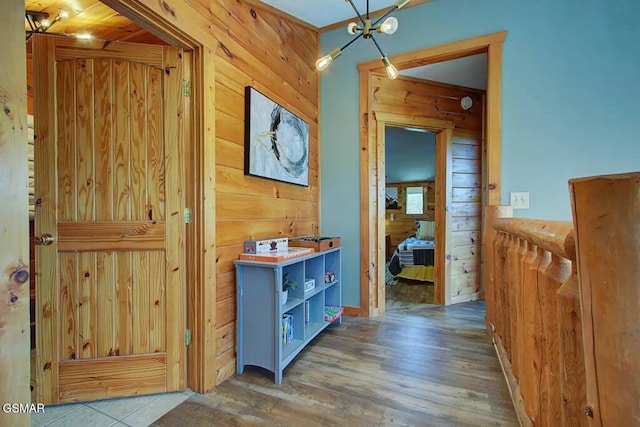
(403, 225)
(14, 247)
(277, 59)
(466, 215)
(422, 98)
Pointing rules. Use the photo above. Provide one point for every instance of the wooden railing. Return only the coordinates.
(533, 310)
(550, 284)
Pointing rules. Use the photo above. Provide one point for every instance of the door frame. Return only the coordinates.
(443, 130)
(371, 183)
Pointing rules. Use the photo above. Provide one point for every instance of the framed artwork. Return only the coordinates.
(276, 141)
(391, 198)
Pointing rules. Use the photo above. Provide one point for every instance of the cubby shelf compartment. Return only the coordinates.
(259, 329)
(313, 292)
(326, 285)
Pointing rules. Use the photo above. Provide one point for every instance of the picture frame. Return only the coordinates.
(276, 141)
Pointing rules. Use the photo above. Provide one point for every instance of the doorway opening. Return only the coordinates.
(372, 289)
(145, 73)
(410, 204)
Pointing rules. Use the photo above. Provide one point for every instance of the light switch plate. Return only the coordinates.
(519, 199)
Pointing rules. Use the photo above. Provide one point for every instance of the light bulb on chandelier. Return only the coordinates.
(392, 71)
(39, 22)
(326, 60)
(389, 26)
(385, 24)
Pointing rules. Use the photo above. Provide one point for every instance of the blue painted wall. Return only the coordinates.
(570, 101)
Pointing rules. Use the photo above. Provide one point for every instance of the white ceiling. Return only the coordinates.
(321, 13)
(469, 72)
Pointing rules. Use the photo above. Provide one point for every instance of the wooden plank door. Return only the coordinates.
(110, 289)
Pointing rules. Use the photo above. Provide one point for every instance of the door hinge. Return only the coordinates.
(187, 337)
(186, 88)
(187, 215)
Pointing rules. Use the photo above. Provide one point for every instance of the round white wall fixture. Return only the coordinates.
(466, 102)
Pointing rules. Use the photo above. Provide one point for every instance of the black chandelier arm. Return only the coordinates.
(356, 11)
(31, 24)
(377, 45)
(351, 41)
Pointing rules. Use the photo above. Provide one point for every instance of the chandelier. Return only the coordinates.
(39, 22)
(385, 24)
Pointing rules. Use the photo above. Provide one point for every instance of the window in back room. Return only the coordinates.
(415, 201)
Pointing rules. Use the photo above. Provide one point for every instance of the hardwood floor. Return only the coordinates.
(410, 291)
(420, 365)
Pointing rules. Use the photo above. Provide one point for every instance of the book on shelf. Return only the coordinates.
(307, 314)
(278, 256)
(287, 328)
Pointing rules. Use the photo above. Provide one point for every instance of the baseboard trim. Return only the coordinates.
(351, 311)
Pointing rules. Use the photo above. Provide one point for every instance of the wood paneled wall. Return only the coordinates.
(423, 98)
(403, 225)
(466, 215)
(277, 58)
(441, 102)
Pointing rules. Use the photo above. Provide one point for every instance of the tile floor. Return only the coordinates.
(138, 411)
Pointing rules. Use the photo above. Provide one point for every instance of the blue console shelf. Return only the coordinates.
(259, 326)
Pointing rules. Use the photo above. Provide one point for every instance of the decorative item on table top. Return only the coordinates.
(278, 256)
(276, 141)
(385, 24)
(318, 243)
(266, 245)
